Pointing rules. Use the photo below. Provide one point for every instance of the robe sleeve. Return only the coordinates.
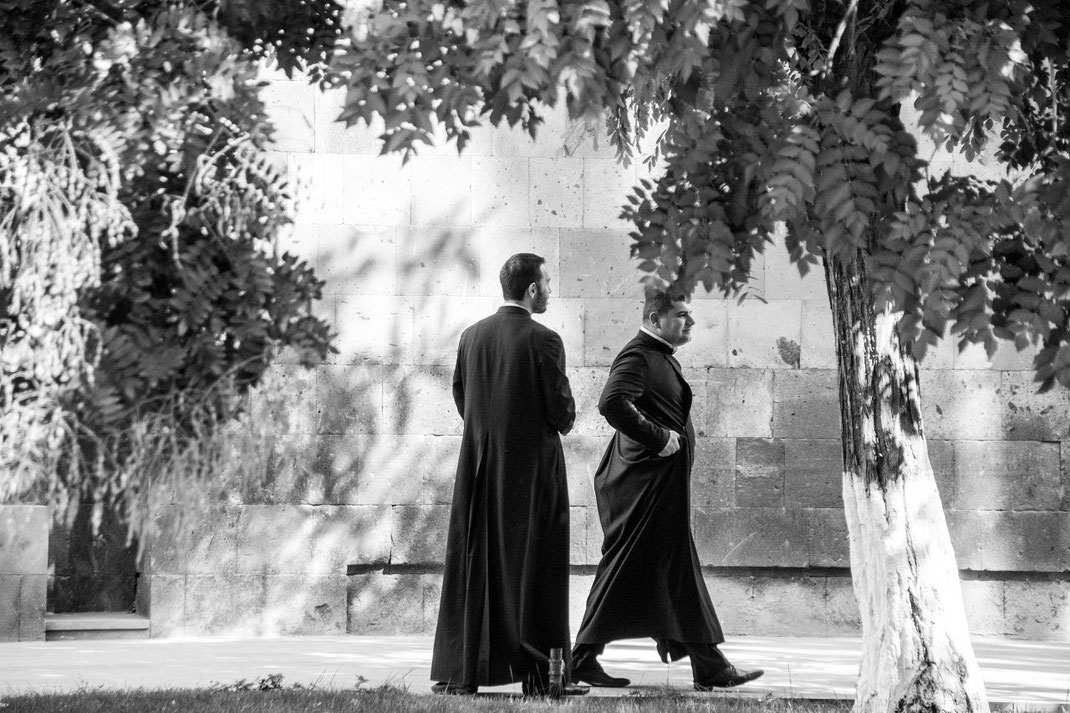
(626, 384)
(557, 393)
(458, 380)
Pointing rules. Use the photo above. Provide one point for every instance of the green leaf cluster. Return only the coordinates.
(141, 291)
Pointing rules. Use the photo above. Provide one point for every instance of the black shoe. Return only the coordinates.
(443, 688)
(727, 678)
(590, 671)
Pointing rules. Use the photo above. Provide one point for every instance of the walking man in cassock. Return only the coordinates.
(505, 588)
(649, 580)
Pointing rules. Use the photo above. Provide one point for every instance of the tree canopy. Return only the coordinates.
(141, 292)
(780, 113)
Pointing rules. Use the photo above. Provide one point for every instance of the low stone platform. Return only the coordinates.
(1020, 675)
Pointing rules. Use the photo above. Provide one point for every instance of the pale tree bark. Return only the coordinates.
(916, 649)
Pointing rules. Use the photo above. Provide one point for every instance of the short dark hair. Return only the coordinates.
(517, 273)
(661, 301)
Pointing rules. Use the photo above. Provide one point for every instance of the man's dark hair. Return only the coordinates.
(517, 273)
(661, 302)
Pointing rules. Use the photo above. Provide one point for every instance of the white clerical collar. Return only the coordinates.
(516, 304)
(644, 330)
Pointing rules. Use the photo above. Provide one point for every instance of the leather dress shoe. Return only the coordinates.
(443, 688)
(727, 678)
(590, 671)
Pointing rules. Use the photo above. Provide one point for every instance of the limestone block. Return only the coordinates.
(380, 469)
(983, 601)
(759, 480)
(733, 600)
(289, 107)
(287, 399)
(1006, 358)
(349, 399)
(303, 241)
(440, 322)
(392, 604)
(1011, 541)
(844, 619)
(420, 401)
(302, 605)
(696, 379)
(167, 609)
(549, 140)
(595, 263)
(439, 260)
(442, 190)
(606, 186)
(1007, 475)
(497, 244)
(750, 537)
(340, 536)
(942, 459)
(556, 196)
(585, 536)
(826, 534)
(709, 336)
(273, 539)
(356, 259)
(500, 192)
(10, 605)
(1037, 610)
(32, 599)
(24, 539)
(565, 316)
(377, 190)
(806, 404)
(818, 339)
(1030, 416)
(962, 405)
(579, 588)
(333, 136)
(813, 472)
(197, 542)
(765, 335)
(587, 385)
(740, 402)
(713, 473)
(608, 324)
(582, 456)
(320, 192)
(790, 606)
(783, 281)
(225, 604)
(374, 329)
(418, 534)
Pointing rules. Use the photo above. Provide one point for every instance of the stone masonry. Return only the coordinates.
(23, 571)
(347, 534)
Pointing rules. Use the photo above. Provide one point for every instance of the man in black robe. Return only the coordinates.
(649, 580)
(504, 598)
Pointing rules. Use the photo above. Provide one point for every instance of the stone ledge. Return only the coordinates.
(95, 621)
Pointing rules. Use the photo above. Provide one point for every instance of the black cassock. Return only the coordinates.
(505, 586)
(649, 580)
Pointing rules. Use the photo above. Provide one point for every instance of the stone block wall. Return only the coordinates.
(23, 572)
(347, 532)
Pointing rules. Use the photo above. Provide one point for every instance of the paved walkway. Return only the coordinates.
(1020, 675)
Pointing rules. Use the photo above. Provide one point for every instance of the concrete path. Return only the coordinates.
(1020, 675)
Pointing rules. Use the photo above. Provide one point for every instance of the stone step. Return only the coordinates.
(95, 625)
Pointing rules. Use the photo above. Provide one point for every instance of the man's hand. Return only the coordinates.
(672, 446)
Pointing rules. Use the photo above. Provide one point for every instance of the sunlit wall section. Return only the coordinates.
(347, 531)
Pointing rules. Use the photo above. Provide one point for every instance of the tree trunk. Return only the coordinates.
(916, 649)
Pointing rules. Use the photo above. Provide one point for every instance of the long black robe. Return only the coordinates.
(649, 580)
(505, 587)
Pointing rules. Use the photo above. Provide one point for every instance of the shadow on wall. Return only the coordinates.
(348, 474)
